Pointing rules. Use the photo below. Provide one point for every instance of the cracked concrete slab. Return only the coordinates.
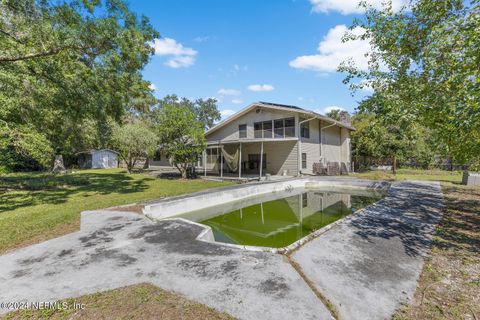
(369, 264)
(115, 249)
(366, 265)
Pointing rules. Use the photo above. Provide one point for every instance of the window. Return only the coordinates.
(289, 127)
(263, 129)
(242, 131)
(257, 129)
(305, 130)
(278, 128)
(304, 200)
(304, 161)
(267, 129)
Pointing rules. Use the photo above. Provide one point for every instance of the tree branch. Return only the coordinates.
(47, 53)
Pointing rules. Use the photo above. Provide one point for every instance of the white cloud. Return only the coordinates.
(225, 113)
(152, 86)
(328, 109)
(237, 101)
(202, 39)
(260, 87)
(180, 56)
(169, 46)
(346, 7)
(228, 92)
(180, 62)
(332, 52)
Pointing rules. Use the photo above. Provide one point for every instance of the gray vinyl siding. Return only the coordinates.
(281, 155)
(345, 146)
(331, 141)
(311, 146)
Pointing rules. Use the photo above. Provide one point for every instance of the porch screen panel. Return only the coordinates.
(257, 128)
(289, 127)
(278, 128)
(267, 129)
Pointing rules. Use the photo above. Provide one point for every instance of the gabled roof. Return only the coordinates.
(276, 106)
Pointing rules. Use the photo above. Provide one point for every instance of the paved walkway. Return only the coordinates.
(366, 265)
(115, 249)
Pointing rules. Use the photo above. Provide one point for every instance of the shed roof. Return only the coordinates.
(91, 151)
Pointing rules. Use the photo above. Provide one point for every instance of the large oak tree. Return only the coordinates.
(69, 69)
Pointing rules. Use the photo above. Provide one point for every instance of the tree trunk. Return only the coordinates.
(129, 165)
(394, 165)
(184, 173)
(58, 166)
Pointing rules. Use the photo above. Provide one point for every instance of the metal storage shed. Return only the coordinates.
(98, 159)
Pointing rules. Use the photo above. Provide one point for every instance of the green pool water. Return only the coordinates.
(279, 222)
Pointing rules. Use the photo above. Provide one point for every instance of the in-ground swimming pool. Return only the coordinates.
(277, 220)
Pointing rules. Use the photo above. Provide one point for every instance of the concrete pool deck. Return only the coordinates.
(366, 266)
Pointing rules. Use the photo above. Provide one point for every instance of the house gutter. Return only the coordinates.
(299, 151)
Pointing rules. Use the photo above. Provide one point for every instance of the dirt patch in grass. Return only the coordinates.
(142, 301)
(449, 286)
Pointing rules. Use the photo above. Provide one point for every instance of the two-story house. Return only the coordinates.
(285, 140)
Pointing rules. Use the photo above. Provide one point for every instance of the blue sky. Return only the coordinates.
(246, 51)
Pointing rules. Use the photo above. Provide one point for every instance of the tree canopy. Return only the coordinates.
(376, 141)
(134, 141)
(424, 69)
(69, 69)
(180, 130)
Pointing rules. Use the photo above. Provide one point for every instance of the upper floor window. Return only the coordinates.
(242, 131)
(257, 130)
(284, 128)
(279, 128)
(267, 129)
(289, 127)
(263, 129)
(305, 130)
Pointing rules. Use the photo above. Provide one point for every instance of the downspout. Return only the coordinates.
(299, 151)
(321, 142)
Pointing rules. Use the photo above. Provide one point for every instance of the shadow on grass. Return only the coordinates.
(460, 226)
(27, 190)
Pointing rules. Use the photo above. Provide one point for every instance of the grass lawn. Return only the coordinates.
(37, 206)
(449, 286)
(142, 301)
(413, 174)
